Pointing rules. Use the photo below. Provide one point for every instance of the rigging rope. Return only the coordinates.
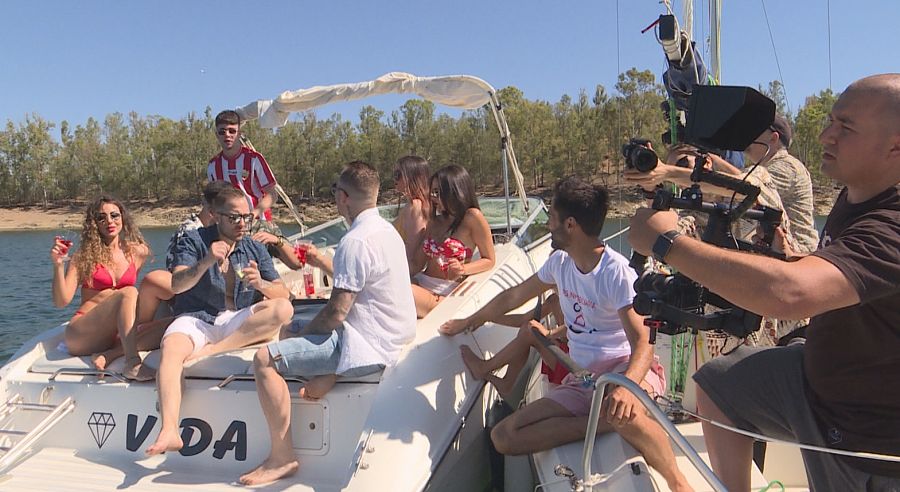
(828, 30)
(808, 447)
(775, 51)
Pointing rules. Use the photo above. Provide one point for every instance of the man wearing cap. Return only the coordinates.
(791, 179)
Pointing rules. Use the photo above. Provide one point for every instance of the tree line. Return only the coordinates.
(151, 157)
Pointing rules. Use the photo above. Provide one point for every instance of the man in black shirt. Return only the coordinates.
(838, 390)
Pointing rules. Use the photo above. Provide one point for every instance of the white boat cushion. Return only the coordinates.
(237, 362)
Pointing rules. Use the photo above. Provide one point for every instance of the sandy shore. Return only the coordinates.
(153, 215)
(150, 214)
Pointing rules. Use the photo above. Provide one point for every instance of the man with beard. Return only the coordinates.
(219, 277)
(595, 287)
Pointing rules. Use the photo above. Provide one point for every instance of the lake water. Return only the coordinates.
(26, 307)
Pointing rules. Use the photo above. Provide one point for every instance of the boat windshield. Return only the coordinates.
(494, 210)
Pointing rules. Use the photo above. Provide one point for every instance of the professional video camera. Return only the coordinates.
(638, 155)
(724, 118)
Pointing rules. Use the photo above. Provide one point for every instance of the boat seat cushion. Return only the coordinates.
(220, 366)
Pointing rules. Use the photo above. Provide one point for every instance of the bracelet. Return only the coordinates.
(280, 241)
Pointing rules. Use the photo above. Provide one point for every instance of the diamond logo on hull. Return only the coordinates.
(101, 425)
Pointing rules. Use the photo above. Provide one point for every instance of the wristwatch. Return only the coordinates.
(663, 244)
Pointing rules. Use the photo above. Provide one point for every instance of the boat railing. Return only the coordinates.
(600, 383)
(10, 455)
(76, 371)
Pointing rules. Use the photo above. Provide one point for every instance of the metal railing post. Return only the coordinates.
(668, 427)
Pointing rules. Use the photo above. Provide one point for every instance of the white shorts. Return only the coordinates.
(203, 333)
(437, 286)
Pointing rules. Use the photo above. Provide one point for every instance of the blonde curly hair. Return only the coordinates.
(92, 251)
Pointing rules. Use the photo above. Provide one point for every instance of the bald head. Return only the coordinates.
(885, 88)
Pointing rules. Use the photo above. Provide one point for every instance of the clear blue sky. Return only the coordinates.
(69, 60)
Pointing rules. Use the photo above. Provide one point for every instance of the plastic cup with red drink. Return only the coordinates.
(309, 283)
(65, 243)
(301, 247)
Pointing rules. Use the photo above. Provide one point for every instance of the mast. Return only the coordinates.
(715, 48)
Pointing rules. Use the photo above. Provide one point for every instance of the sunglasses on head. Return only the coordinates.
(237, 218)
(104, 218)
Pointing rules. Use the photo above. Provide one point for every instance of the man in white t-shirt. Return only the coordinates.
(595, 286)
(367, 321)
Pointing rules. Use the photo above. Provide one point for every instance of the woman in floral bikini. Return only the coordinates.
(456, 229)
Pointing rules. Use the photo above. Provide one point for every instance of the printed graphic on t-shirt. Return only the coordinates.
(578, 324)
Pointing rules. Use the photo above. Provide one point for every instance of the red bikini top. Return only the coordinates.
(450, 248)
(103, 278)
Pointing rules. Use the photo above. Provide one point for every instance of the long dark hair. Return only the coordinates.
(415, 171)
(457, 192)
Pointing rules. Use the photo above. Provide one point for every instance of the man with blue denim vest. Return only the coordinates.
(219, 277)
(369, 317)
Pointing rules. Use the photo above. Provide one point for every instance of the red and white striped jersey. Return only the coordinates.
(248, 172)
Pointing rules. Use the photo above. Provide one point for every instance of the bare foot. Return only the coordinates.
(134, 370)
(476, 365)
(316, 387)
(269, 471)
(103, 359)
(504, 386)
(166, 441)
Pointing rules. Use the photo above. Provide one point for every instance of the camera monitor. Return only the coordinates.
(727, 117)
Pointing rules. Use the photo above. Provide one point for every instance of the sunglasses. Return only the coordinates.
(237, 218)
(335, 188)
(104, 218)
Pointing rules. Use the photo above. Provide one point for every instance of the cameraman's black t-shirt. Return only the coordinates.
(852, 355)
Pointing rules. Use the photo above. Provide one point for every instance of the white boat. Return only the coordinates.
(418, 425)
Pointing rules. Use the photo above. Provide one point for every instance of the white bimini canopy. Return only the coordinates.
(458, 91)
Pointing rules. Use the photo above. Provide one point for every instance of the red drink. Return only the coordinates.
(308, 282)
(66, 244)
(300, 250)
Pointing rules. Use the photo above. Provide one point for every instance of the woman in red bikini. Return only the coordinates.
(456, 229)
(106, 266)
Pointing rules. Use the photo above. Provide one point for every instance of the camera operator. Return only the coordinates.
(677, 169)
(791, 180)
(840, 388)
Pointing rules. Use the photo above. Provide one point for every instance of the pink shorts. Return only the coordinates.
(574, 397)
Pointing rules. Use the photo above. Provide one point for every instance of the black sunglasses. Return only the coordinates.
(237, 218)
(335, 188)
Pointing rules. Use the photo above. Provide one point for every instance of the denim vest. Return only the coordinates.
(206, 299)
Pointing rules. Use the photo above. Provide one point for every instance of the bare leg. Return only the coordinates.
(546, 424)
(95, 331)
(267, 318)
(175, 350)
(514, 355)
(148, 337)
(425, 300)
(155, 288)
(275, 400)
(730, 454)
(316, 387)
